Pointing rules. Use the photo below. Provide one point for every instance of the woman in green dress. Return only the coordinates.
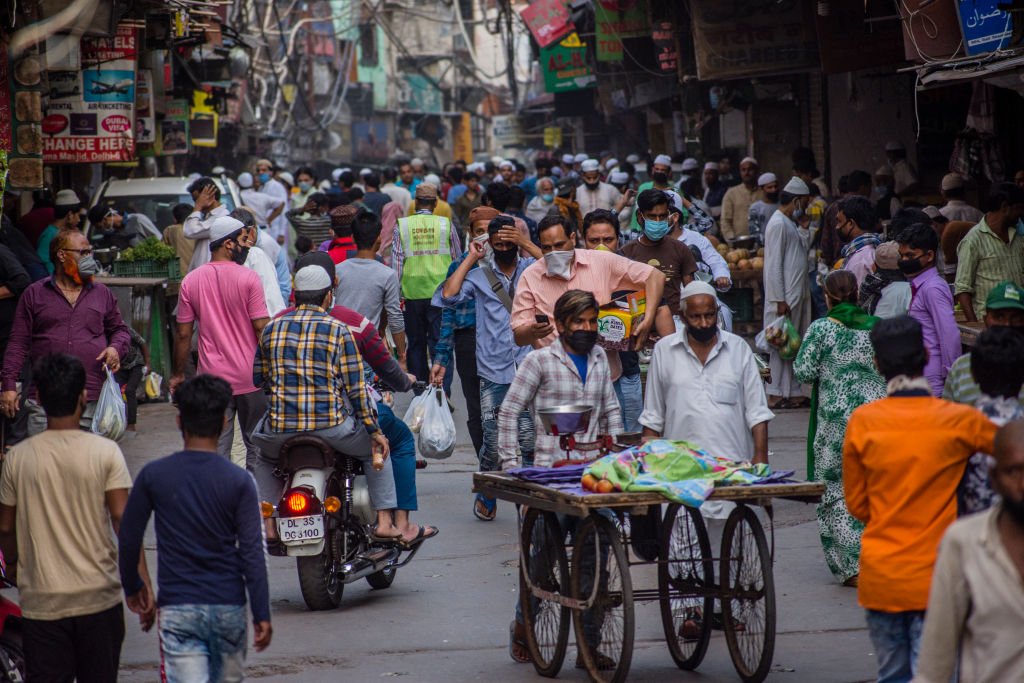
(837, 358)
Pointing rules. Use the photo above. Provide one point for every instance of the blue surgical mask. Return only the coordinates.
(655, 230)
(547, 198)
(798, 213)
(264, 178)
(305, 187)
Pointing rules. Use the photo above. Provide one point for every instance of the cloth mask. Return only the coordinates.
(559, 263)
(505, 256)
(582, 341)
(910, 266)
(702, 334)
(659, 178)
(656, 230)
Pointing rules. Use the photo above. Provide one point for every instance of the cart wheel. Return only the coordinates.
(686, 578)
(546, 565)
(748, 595)
(604, 632)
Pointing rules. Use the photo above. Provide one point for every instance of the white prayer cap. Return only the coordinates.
(287, 177)
(416, 162)
(556, 171)
(590, 165)
(245, 180)
(567, 158)
(697, 288)
(433, 179)
(766, 179)
(218, 170)
(580, 158)
(633, 158)
(619, 177)
(311, 279)
(363, 172)
(192, 177)
(894, 146)
(346, 169)
(611, 163)
(690, 164)
(952, 181)
(663, 160)
(711, 166)
(497, 160)
(335, 174)
(749, 160)
(223, 226)
(797, 187)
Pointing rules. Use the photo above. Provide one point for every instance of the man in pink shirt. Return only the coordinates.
(564, 267)
(856, 225)
(226, 299)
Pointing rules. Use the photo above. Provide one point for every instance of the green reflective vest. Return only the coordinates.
(426, 243)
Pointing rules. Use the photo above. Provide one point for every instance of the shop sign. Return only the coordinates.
(203, 121)
(97, 102)
(666, 52)
(764, 41)
(505, 131)
(174, 128)
(548, 21)
(986, 27)
(418, 94)
(565, 66)
(553, 137)
(615, 20)
(145, 119)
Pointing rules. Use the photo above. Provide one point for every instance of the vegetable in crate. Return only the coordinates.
(149, 249)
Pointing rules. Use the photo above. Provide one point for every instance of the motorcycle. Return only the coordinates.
(12, 657)
(324, 518)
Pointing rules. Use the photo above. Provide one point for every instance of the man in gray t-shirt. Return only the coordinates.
(368, 286)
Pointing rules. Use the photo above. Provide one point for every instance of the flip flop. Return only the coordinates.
(374, 536)
(421, 536)
(489, 505)
(514, 643)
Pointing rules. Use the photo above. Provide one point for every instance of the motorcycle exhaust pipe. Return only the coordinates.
(366, 564)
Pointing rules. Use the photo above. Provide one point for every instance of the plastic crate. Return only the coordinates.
(741, 301)
(162, 269)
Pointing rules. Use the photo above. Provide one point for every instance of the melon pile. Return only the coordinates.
(742, 259)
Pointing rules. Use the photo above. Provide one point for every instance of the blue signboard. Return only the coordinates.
(986, 27)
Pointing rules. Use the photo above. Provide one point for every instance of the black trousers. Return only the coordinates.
(85, 648)
(422, 330)
(130, 380)
(465, 363)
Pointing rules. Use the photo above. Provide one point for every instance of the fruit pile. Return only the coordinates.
(742, 259)
(595, 485)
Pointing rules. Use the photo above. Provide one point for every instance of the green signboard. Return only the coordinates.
(565, 66)
(618, 19)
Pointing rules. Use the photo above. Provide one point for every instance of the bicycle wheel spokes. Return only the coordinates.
(545, 565)
(685, 579)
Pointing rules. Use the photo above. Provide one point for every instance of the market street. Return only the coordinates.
(446, 616)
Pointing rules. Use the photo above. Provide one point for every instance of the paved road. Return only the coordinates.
(446, 617)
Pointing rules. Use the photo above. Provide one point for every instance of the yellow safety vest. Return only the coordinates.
(426, 243)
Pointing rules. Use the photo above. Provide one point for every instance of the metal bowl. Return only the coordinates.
(568, 419)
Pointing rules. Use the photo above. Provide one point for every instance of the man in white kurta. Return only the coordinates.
(786, 288)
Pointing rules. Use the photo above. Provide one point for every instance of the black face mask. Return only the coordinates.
(1014, 508)
(910, 266)
(582, 341)
(505, 257)
(702, 334)
(659, 177)
(773, 197)
(239, 254)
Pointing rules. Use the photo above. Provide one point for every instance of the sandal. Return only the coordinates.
(484, 508)
(518, 650)
(423, 534)
(377, 538)
(693, 625)
(852, 582)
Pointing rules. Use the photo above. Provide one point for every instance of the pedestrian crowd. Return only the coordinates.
(589, 281)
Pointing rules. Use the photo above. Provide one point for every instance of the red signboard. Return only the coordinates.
(665, 49)
(548, 21)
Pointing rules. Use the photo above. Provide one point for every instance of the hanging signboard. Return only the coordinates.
(665, 50)
(90, 116)
(145, 119)
(986, 27)
(760, 42)
(565, 66)
(202, 120)
(548, 21)
(615, 20)
(553, 137)
(174, 128)
(505, 131)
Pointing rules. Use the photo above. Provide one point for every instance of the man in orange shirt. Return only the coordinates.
(903, 457)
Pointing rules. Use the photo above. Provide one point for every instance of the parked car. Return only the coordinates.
(156, 197)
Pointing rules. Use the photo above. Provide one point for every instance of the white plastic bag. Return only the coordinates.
(414, 413)
(109, 419)
(436, 439)
(761, 342)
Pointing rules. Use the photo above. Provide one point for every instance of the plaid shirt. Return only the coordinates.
(309, 361)
(548, 378)
(458, 317)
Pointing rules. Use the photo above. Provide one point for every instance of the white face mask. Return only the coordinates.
(559, 263)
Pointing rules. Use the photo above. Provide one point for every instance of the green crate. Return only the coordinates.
(741, 301)
(162, 269)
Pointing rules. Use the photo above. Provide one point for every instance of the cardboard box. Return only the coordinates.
(617, 320)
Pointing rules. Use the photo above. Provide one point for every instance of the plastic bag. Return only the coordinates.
(153, 385)
(783, 336)
(414, 413)
(436, 439)
(761, 342)
(109, 419)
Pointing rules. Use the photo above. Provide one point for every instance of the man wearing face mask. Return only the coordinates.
(491, 287)
(226, 299)
(738, 198)
(661, 178)
(65, 313)
(207, 208)
(931, 304)
(786, 286)
(541, 205)
(655, 248)
(270, 185)
(563, 268)
(762, 209)
(594, 194)
(855, 226)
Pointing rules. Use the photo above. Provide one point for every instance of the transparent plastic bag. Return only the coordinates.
(782, 335)
(436, 439)
(109, 419)
(414, 413)
(153, 384)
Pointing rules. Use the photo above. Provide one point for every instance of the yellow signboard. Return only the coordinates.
(553, 137)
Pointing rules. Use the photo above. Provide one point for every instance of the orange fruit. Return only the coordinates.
(605, 486)
(589, 482)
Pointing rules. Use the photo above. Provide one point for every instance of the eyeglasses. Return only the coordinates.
(80, 252)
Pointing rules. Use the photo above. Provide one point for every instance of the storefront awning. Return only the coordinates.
(1003, 69)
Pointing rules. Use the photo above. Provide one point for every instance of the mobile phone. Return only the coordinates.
(542, 319)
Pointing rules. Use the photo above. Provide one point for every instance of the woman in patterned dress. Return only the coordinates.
(837, 358)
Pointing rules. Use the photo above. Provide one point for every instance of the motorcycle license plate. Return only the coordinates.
(300, 529)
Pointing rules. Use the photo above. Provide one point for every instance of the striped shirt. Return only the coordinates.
(309, 361)
(960, 385)
(317, 228)
(984, 260)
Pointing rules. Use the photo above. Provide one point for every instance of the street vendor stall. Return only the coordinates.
(577, 550)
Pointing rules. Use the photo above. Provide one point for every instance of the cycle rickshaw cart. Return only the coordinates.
(594, 585)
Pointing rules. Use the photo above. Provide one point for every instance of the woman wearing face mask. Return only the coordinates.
(837, 359)
(305, 183)
(540, 205)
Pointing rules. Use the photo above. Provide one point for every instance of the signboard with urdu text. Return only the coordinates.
(565, 66)
(986, 27)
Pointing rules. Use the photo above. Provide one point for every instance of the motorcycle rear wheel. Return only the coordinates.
(321, 587)
(382, 579)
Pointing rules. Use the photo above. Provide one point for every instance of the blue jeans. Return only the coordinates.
(896, 637)
(629, 391)
(203, 643)
(403, 456)
(491, 396)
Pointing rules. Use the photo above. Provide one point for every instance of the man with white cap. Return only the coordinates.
(956, 209)
(690, 167)
(786, 287)
(738, 199)
(577, 161)
(611, 164)
(887, 204)
(903, 174)
(227, 301)
(567, 165)
(762, 210)
(270, 185)
(66, 216)
(714, 189)
(506, 169)
(266, 207)
(594, 194)
(661, 179)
